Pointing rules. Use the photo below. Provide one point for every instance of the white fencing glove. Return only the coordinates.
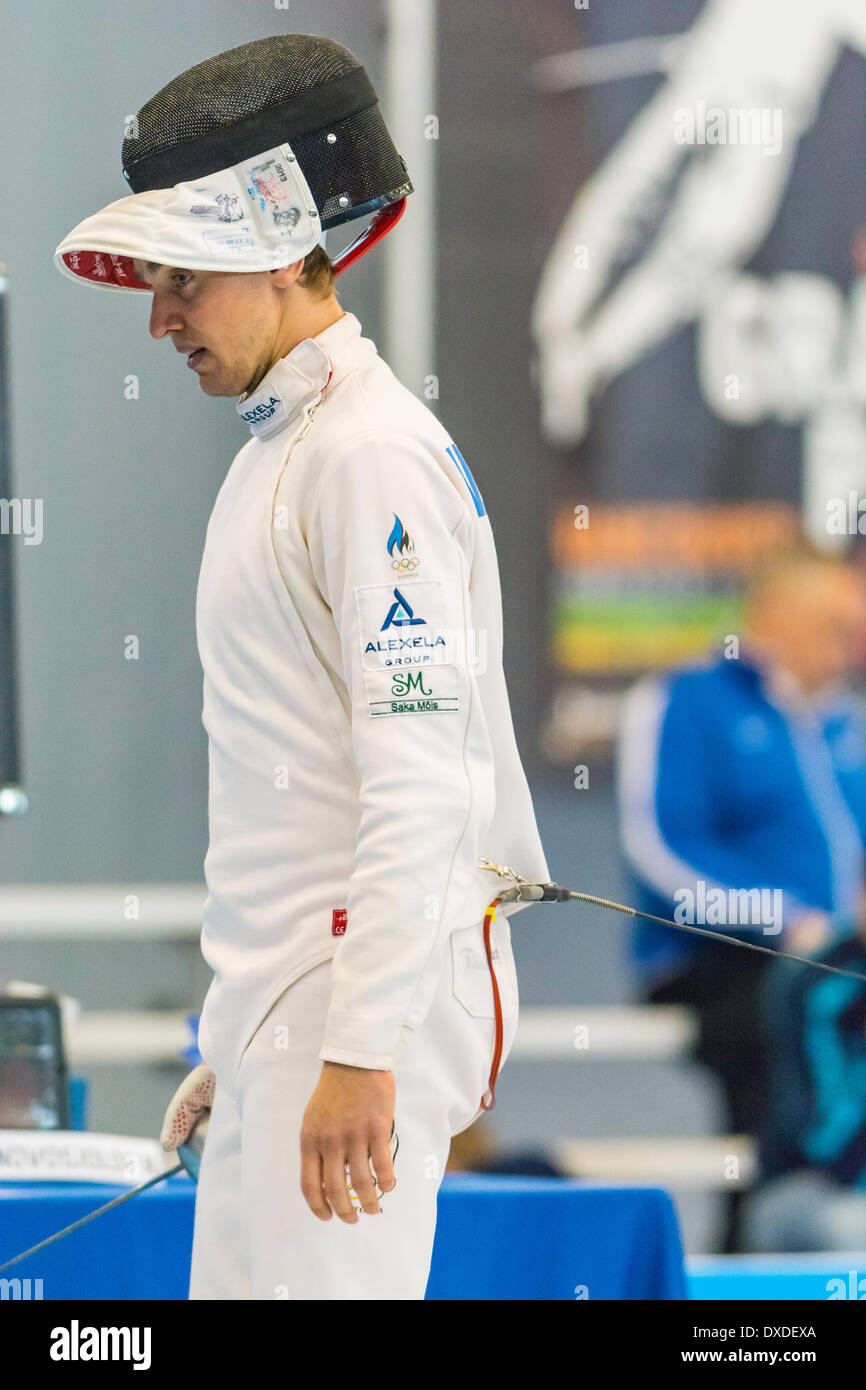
(192, 1100)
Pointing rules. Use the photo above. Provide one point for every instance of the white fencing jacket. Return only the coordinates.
(361, 749)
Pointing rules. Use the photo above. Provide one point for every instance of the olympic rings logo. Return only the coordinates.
(405, 565)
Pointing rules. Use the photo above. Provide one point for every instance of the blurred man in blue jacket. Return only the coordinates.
(812, 1189)
(742, 798)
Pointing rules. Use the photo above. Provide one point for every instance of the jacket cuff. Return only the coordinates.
(374, 1061)
(361, 1039)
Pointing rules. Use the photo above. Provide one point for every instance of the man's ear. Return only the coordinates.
(286, 275)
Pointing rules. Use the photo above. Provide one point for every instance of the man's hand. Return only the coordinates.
(348, 1120)
(809, 934)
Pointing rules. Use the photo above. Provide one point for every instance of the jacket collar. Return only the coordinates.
(300, 378)
(780, 689)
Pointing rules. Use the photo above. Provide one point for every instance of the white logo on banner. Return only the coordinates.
(656, 238)
(73, 1156)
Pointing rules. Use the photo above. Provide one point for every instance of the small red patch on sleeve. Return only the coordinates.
(339, 919)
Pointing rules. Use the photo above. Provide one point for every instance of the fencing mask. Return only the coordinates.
(242, 163)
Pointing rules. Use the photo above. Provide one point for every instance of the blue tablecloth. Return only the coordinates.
(497, 1237)
(138, 1251)
(549, 1238)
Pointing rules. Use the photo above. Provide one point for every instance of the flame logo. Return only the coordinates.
(398, 538)
(400, 544)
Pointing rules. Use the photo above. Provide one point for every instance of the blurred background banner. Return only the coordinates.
(639, 587)
(698, 322)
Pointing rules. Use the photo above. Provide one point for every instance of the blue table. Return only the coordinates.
(497, 1237)
(551, 1238)
(139, 1251)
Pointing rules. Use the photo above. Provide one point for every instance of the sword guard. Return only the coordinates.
(191, 1150)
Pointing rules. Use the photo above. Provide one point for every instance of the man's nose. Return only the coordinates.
(164, 317)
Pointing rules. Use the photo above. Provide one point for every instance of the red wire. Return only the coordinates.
(497, 1009)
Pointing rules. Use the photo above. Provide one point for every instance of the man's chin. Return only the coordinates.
(213, 386)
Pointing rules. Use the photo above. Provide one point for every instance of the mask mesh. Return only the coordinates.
(245, 84)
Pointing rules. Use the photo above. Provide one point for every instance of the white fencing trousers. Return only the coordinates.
(255, 1237)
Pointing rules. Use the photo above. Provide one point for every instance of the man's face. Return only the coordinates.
(813, 623)
(226, 324)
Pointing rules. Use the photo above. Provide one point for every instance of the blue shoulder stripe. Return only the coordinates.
(458, 458)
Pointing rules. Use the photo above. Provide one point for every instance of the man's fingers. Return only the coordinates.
(341, 1174)
(383, 1164)
(362, 1179)
(335, 1185)
(311, 1182)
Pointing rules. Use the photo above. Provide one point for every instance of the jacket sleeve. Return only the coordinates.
(390, 542)
(673, 829)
